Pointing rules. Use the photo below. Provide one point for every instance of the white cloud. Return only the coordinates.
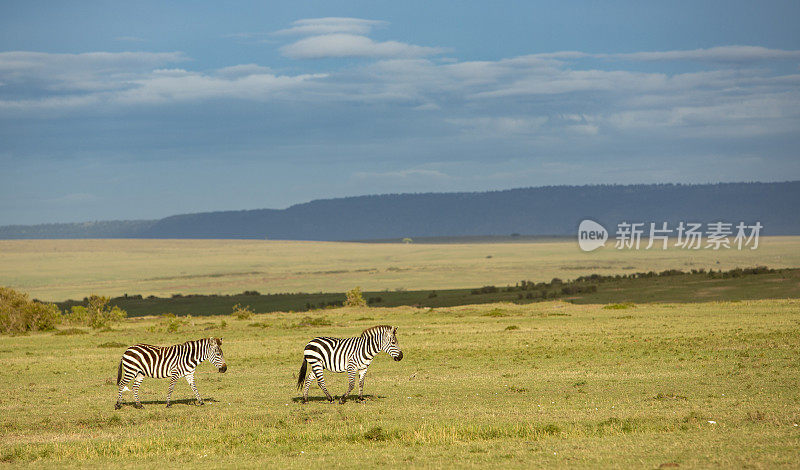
(546, 96)
(22, 61)
(713, 54)
(243, 70)
(71, 81)
(350, 45)
(330, 25)
(91, 71)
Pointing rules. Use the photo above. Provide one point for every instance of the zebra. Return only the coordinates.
(352, 355)
(180, 360)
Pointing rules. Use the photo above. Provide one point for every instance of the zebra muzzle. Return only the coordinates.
(399, 357)
(223, 368)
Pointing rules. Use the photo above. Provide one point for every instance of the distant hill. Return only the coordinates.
(550, 210)
(102, 229)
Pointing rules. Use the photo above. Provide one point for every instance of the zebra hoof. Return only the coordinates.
(169, 404)
(138, 406)
(117, 406)
(200, 403)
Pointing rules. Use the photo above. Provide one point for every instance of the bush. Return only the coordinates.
(484, 290)
(70, 332)
(101, 314)
(78, 315)
(355, 298)
(242, 313)
(19, 314)
(619, 306)
(311, 321)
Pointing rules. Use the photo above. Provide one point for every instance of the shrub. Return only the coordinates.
(311, 321)
(101, 314)
(619, 306)
(78, 315)
(19, 314)
(355, 298)
(484, 290)
(495, 312)
(242, 313)
(376, 433)
(71, 331)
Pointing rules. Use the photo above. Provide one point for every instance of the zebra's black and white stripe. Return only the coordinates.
(180, 360)
(352, 355)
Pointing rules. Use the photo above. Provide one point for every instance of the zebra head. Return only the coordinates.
(390, 344)
(215, 354)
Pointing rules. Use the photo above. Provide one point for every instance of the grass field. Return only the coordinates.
(687, 287)
(545, 384)
(55, 270)
(686, 369)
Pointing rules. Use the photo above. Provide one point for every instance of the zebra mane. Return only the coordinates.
(383, 328)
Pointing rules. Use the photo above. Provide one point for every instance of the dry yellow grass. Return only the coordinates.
(61, 269)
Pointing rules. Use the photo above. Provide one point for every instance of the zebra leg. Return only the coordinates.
(309, 378)
(118, 404)
(122, 386)
(351, 383)
(317, 369)
(361, 374)
(136, 382)
(190, 379)
(172, 381)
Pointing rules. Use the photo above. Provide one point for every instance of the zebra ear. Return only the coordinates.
(394, 330)
(219, 341)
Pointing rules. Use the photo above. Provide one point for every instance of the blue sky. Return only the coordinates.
(138, 110)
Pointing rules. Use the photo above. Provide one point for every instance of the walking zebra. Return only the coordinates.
(346, 354)
(180, 360)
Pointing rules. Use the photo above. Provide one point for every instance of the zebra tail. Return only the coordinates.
(119, 374)
(302, 377)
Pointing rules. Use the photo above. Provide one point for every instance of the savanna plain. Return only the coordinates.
(544, 384)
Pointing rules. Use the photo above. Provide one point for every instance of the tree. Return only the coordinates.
(355, 298)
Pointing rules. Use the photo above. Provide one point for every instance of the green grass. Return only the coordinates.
(698, 287)
(56, 270)
(697, 384)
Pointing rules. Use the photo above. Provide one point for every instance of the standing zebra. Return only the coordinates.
(346, 354)
(180, 360)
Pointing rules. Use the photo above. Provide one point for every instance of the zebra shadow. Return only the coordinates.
(350, 399)
(182, 401)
